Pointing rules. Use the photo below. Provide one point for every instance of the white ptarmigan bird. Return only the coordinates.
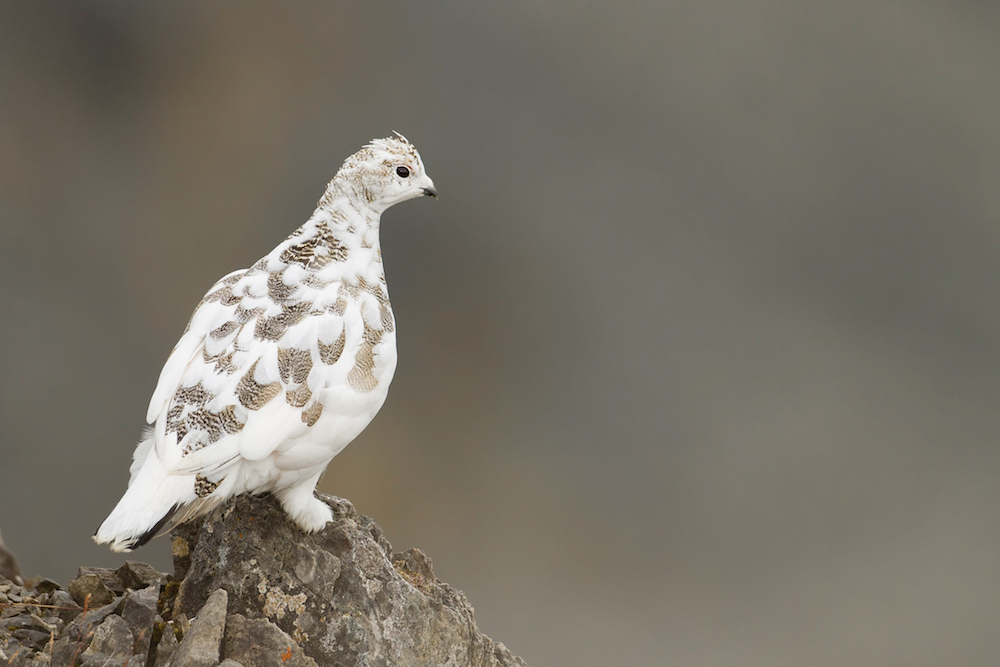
(281, 366)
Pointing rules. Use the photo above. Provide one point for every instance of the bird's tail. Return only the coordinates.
(154, 502)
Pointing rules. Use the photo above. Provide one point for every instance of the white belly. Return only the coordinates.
(348, 408)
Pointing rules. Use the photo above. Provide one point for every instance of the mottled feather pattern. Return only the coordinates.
(240, 305)
(281, 364)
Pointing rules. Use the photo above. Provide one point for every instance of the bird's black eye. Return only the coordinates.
(402, 172)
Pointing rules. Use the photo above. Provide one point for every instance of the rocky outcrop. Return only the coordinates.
(251, 589)
(342, 595)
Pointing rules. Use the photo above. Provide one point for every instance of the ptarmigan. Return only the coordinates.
(281, 365)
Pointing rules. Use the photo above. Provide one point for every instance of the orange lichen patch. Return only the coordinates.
(416, 579)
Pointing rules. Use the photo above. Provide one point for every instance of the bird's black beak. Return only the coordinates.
(430, 192)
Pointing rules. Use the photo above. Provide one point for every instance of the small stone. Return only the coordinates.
(63, 652)
(200, 646)
(33, 638)
(112, 638)
(68, 608)
(46, 586)
(107, 576)
(18, 622)
(138, 575)
(30, 629)
(139, 612)
(81, 629)
(229, 662)
(51, 624)
(90, 584)
(168, 644)
(260, 643)
(19, 655)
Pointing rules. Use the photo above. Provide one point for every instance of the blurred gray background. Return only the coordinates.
(699, 349)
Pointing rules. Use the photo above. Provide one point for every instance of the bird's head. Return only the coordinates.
(385, 172)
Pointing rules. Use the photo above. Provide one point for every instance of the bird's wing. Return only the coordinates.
(247, 375)
(209, 310)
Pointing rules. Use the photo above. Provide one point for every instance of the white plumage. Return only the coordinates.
(281, 366)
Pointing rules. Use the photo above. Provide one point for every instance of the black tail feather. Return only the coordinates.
(152, 532)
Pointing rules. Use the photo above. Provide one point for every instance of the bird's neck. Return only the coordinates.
(339, 241)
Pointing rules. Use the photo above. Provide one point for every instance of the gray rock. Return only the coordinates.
(64, 652)
(19, 656)
(200, 646)
(138, 575)
(112, 639)
(26, 620)
(23, 620)
(139, 612)
(339, 593)
(107, 576)
(260, 643)
(80, 633)
(166, 646)
(90, 585)
(229, 662)
(84, 625)
(35, 639)
(68, 609)
(39, 659)
(50, 624)
(46, 586)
